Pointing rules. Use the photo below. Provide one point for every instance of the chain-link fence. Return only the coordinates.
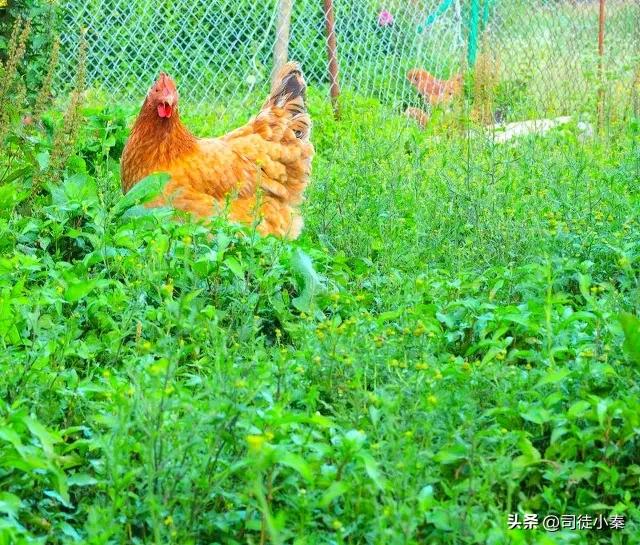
(541, 57)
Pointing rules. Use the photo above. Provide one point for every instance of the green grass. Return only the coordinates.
(454, 338)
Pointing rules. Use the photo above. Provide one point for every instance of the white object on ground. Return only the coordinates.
(503, 132)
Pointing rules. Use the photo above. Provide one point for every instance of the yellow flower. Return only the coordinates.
(167, 289)
(168, 521)
(186, 240)
(256, 442)
(337, 525)
(156, 369)
(421, 366)
(432, 399)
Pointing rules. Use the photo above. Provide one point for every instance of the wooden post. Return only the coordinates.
(281, 46)
(332, 53)
(474, 23)
(601, 20)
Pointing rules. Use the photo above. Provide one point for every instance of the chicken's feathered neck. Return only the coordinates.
(155, 143)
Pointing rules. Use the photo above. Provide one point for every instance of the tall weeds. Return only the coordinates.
(44, 95)
(66, 135)
(11, 81)
(485, 81)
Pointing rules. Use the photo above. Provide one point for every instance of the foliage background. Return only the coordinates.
(453, 339)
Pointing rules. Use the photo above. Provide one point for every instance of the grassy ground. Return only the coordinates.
(453, 339)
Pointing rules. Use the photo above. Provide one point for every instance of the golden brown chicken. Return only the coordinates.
(419, 116)
(434, 90)
(256, 174)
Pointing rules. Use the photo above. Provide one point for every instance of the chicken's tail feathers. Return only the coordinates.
(289, 92)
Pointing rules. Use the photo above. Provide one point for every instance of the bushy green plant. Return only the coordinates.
(454, 338)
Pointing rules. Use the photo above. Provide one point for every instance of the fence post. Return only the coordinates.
(281, 47)
(474, 20)
(332, 53)
(601, 21)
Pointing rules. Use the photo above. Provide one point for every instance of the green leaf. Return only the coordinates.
(537, 415)
(46, 438)
(145, 190)
(234, 266)
(43, 160)
(10, 436)
(297, 463)
(425, 498)
(9, 504)
(9, 197)
(372, 469)
(553, 377)
(15, 174)
(390, 315)
(337, 489)
(530, 454)
(78, 289)
(81, 479)
(631, 328)
(310, 282)
(578, 409)
(451, 454)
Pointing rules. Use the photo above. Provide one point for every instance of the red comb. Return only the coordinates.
(165, 82)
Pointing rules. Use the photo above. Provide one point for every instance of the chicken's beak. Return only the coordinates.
(166, 105)
(169, 99)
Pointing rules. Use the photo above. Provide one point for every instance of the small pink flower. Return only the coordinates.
(385, 18)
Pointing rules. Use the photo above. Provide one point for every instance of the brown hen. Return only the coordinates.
(257, 173)
(434, 90)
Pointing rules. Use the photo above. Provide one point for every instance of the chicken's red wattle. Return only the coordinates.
(164, 110)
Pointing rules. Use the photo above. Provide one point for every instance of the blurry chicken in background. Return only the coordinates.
(419, 116)
(433, 90)
(261, 169)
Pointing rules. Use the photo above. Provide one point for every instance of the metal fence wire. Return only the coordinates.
(541, 56)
